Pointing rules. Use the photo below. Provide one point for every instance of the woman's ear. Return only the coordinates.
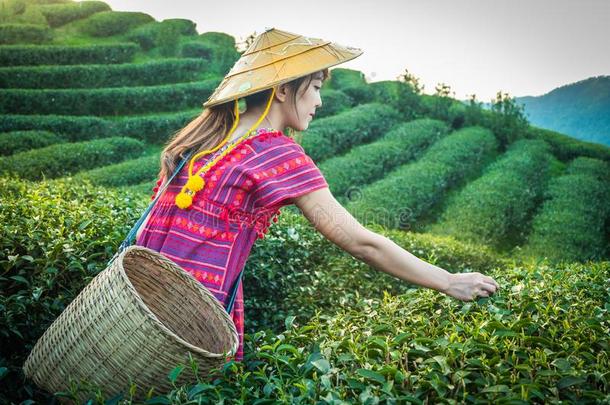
(282, 92)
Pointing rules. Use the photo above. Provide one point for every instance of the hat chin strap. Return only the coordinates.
(195, 183)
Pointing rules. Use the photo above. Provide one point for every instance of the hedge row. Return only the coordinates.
(154, 128)
(125, 173)
(334, 135)
(109, 23)
(12, 33)
(496, 208)
(108, 101)
(156, 33)
(61, 14)
(99, 76)
(573, 222)
(68, 158)
(220, 58)
(401, 198)
(396, 94)
(333, 102)
(20, 55)
(20, 141)
(363, 164)
(566, 148)
(341, 78)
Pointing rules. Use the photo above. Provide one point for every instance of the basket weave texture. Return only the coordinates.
(135, 321)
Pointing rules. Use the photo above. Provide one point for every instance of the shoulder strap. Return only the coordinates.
(131, 235)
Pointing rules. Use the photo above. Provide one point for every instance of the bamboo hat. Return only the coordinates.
(276, 57)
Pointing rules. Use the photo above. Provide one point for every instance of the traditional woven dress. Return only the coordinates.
(243, 192)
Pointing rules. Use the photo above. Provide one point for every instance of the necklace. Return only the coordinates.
(195, 182)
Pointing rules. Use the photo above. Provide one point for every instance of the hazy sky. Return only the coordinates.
(523, 47)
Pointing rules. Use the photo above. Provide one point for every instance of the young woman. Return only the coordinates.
(208, 227)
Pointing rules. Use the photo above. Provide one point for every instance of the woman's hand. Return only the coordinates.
(469, 286)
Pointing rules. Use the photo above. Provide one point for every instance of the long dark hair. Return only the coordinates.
(210, 128)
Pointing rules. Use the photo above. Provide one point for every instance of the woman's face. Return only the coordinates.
(307, 101)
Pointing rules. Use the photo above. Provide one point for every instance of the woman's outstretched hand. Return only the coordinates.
(469, 286)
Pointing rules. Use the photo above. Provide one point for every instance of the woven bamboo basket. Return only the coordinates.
(135, 321)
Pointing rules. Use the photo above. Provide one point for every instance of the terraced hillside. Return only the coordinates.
(88, 98)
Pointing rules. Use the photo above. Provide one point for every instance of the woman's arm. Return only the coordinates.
(336, 223)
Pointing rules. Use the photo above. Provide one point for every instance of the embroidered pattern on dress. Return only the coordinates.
(260, 220)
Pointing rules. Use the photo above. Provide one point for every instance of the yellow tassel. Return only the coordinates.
(195, 183)
(183, 200)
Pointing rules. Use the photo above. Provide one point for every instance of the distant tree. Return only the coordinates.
(412, 81)
(474, 112)
(245, 44)
(442, 102)
(508, 120)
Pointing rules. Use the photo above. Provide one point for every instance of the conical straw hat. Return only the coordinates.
(276, 57)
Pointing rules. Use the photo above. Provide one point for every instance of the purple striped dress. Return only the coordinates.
(242, 193)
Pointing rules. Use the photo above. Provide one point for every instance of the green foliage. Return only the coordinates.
(164, 34)
(334, 135)
(508, 121)
(107, 101)
(61, 14)
(334, 102)
(21, 141)
(109, 23)
(219, 58)
(341, 78)
(68, 158)
(496, 208)
(363, 164)
(56, 236)
(25, 34)
(33, 55)
(125, 173)
(398, 95)
(566, 147)
(405, 194)
(572, 222)
(165, 71)
(217, 38)
(153, 128)
(361, 94)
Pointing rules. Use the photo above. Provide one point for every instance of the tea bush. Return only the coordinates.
(152, 128)
(21, 141)
(363, 164)
(128, 172)
(405, 194)
(108, 23)
(98, 76)
(34, 55)
(566, 148)
(12, 33)
(572, 224)
(107, 101)
(496, 208)
(341, 78)
(61, 14)
(336, 134)
(67, 158)
(541, 339)
(335, 101)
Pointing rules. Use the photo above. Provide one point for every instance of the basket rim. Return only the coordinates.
(190, 279)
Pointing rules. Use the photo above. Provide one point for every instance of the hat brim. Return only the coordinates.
(235, 86)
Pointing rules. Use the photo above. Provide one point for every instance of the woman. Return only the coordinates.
(216, 207)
